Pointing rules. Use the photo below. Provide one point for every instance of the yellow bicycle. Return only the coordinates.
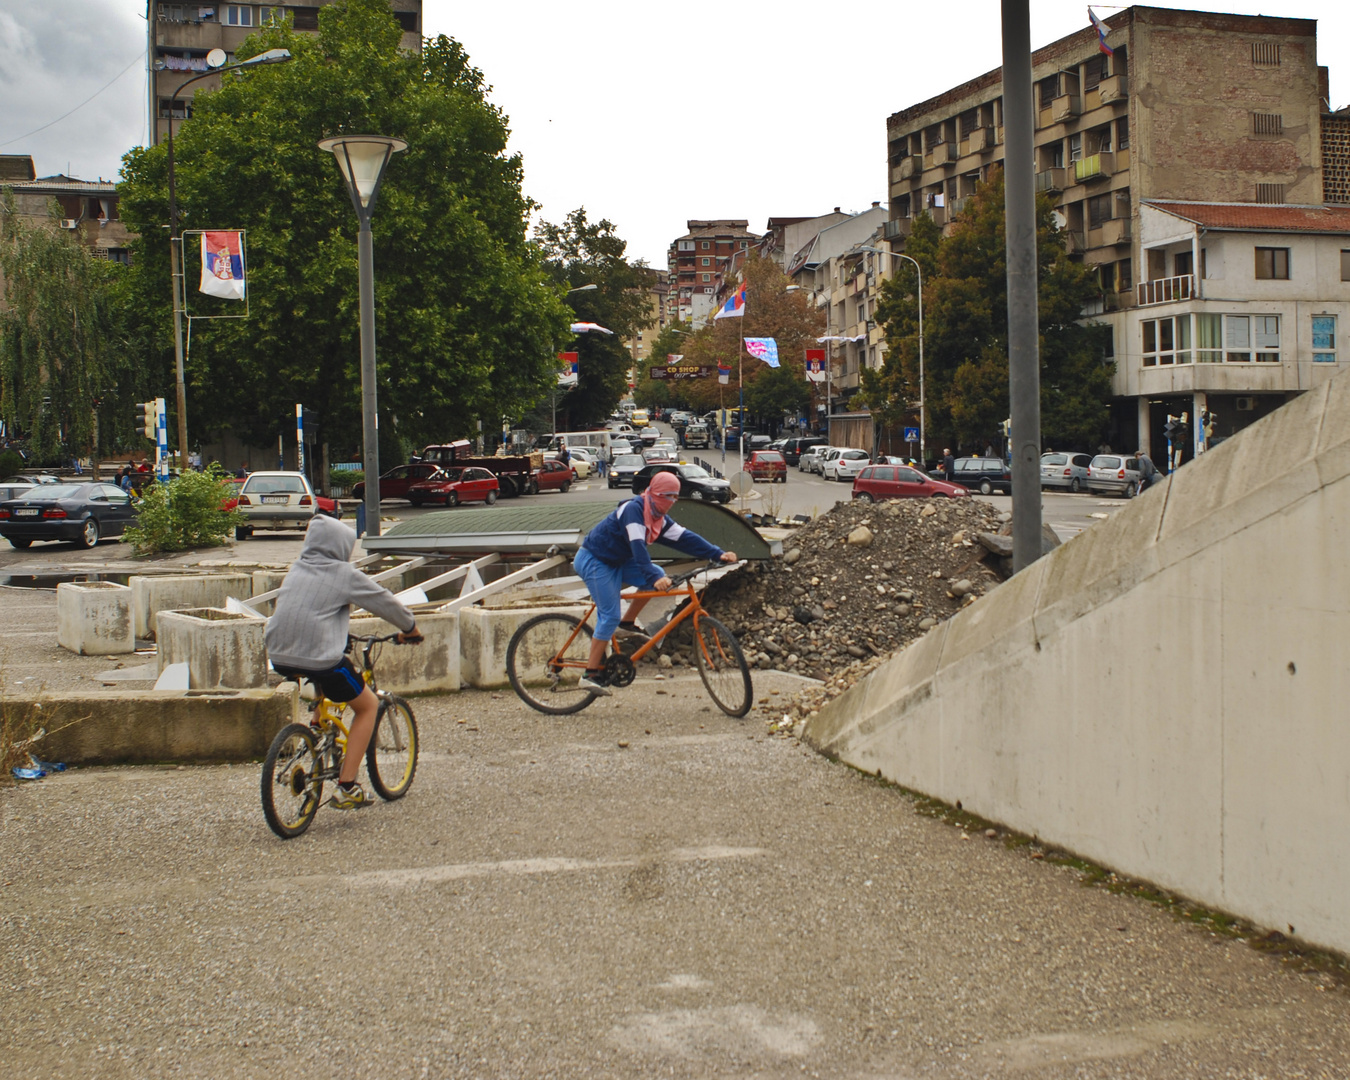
(303, 757)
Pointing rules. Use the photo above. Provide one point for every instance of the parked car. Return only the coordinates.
(623, 469)
(809, 461)
(1114, 474)
(876, 482)
(85, 513)
(1065, 471)
(553, 475)
(13, 491)
(758, 442)
(453, 486)
(794, 447)
(695, 481)
(275, 501)
(395, 483)
(32, 479)
(767, 465)
(697, 436)
(331, 507)
(844, 464)
(986, 475)
(580, 464)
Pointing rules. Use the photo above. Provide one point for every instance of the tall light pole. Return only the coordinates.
(362, 159)
(271, 56)
(923, 455)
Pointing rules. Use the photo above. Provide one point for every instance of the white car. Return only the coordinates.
(583, 460)
(845, 465)
(817, 460)
(275, 500)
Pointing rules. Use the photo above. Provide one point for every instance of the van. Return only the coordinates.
(638, 418)
(597, 441)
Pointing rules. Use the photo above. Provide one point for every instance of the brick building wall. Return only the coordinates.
(1336, 158)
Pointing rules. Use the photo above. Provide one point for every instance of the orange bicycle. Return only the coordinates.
(547, 655)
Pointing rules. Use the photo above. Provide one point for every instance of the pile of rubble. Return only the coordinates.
(860, 582)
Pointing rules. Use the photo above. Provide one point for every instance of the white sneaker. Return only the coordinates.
(597, 683)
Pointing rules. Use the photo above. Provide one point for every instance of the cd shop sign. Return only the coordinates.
(682, 371)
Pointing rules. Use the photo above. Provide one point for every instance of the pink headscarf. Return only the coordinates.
(663, 483)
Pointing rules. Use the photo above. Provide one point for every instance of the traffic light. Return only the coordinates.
(147, 420)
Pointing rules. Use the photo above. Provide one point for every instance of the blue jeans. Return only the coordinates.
(605, 583)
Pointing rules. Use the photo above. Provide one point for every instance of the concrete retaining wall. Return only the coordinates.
(119, 727)
(93, 618)
(484, 635)
(1163, 694)
(415, 669)
(177, 592)
(219, 648)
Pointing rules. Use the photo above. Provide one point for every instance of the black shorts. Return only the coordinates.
(339, 683)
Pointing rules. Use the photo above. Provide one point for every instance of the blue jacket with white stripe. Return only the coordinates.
(622, 537)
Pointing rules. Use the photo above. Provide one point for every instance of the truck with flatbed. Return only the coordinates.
(514, 472)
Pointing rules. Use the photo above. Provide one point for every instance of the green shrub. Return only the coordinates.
(185, 513)
(10, 463)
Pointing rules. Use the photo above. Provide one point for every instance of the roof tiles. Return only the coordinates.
(1260, 217)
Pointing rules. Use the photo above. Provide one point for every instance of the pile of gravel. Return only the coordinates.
(858, 583)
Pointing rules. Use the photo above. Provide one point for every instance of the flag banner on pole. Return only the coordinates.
(763, 348)
(674, 357)
(734, 308)
(815, 365)
(1102, 31)
(837, 338)
(223, 265)
(568, 375)
(589, 327)
(723, 372)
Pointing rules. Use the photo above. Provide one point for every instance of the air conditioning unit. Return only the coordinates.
(69, 223)
(1243, 404)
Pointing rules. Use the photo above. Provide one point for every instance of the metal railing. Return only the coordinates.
(1165, 290)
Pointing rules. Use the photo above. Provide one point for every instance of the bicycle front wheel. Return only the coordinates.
(291, 792)
(722, 666)
(391, 757)
(545, 667)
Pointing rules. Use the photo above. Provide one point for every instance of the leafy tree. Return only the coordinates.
(966, 331)
(59, 330)
(671, 341)
(468, 322)
(581, 252)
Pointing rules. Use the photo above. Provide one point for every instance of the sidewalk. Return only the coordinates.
(648, 888)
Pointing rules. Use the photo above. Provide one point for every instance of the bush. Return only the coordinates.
(185, 513)
(10, 463)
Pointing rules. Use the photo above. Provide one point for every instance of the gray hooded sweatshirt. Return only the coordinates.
(308, 630)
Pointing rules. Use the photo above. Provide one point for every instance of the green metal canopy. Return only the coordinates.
(532, 530)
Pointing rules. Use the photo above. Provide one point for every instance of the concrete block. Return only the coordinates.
(93, 618)
(417, 669)
(266, 581)
(145, 727)
(484, 634)
(178, 592)
(219, 647)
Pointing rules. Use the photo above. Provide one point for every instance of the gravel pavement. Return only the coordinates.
(647, 889)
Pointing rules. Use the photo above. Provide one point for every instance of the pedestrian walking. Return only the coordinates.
(1150, 472)
(948, 464)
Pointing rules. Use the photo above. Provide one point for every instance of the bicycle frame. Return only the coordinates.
(329, 713)
(695, 607)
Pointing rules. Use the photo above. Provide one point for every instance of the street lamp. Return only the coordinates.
(362, 159)
(271, 56)
(923, 457)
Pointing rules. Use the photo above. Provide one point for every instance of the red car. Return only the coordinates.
(767, 465)
(901, 482)
(454, 486)
(395, 483)
(552, 476)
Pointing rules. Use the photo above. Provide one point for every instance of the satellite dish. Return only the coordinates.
(742, 483)
(215, 58)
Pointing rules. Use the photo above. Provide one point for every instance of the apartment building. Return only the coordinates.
(180, 36)
(88, 207)
(1192, 108)
(696, 263)
(656, 289)
(786, 236)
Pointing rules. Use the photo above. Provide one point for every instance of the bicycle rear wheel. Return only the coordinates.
(290, 793)
(722, 666)
(391, 757)
(542, 671)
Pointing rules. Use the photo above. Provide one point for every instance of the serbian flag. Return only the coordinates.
(568, 375)
(723, 373)
(815, 365)
(734, 308)
(1102, 31)
(763, 348)
(223, 265)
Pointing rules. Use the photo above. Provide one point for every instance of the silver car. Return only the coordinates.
(624, 468)
(1114, 474)
(275, 500)
(1065, 471)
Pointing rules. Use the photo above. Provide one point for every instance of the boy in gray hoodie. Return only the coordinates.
(307, 635)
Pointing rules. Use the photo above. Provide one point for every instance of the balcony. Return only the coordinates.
(897, 229)
(1116, 88)
(1066, 108)
(1073, 241)
(1111, 233)
(957, 205)
(980, 141)
(1051, 180)
(941, 154)
(1165, 290)
(1096, 167)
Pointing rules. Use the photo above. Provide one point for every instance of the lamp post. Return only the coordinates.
(923, 456)
(271, 56)
(362, 159)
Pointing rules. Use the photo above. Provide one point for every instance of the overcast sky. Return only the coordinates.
(646, 114)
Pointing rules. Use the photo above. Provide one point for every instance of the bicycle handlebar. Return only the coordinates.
(690, 574)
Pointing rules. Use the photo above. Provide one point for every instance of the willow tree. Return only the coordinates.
(57, 334)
